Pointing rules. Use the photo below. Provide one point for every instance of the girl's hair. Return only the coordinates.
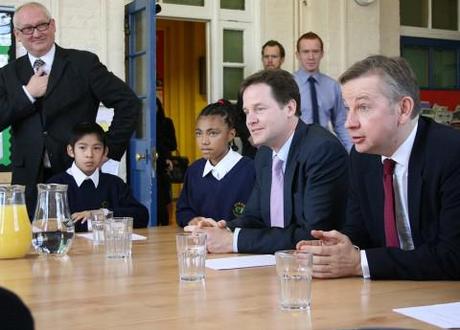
(222, 108)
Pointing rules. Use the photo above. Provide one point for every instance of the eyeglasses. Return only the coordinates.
(29, 30)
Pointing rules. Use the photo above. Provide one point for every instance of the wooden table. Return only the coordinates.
(87, 291)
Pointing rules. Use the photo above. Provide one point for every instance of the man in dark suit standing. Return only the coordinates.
(46, 92)
(404, 205)
(301, 173)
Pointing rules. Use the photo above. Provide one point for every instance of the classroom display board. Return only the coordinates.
(7, 53)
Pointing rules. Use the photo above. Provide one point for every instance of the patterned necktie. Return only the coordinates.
(38, 64)
(314, 100)
(276, 194)
(391, 233)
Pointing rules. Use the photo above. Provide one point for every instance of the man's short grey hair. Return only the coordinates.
(396, 73)
(31, 4)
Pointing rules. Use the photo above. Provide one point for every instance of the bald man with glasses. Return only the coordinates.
(44, 93)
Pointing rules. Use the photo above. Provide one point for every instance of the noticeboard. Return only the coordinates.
(7, 54)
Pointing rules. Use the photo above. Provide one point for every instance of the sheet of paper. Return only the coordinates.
(134, 237)
(241, 262)
(445, 316)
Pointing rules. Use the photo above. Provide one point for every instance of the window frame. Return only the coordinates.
(429, 31)
(431, 45)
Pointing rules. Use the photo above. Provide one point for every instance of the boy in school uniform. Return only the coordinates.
(88, 187)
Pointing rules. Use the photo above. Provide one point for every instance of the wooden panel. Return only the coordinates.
(5, 177)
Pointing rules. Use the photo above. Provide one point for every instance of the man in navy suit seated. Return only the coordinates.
(404, 202)
(301, 173)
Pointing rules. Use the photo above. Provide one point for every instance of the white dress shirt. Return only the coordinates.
(48, 58)
(401, 158)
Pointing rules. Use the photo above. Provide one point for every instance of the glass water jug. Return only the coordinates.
(15, 229)
(53, 229)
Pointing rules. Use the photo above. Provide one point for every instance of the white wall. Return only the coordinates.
(94, 25)
(350, 32)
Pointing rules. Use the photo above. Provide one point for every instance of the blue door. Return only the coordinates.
(141, 73)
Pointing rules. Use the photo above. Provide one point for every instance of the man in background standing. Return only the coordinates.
(272, 55)
(321, 97)
(44, 93)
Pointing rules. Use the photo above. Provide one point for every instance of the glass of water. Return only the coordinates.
(117, 237)
(191, 256)
(294, 269)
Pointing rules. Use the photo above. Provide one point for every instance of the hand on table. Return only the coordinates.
(218, 238)
(333, 254)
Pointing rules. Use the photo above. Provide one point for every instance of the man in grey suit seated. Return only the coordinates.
(301, 173)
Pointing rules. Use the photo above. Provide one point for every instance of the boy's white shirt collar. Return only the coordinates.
(224, 166)
(48, 58)
(79, 176)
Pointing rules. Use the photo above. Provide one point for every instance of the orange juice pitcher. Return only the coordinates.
(15, 228)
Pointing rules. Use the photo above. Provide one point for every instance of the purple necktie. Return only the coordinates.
(391, 233)
(276, 194)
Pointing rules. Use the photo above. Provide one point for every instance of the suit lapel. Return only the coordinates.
(266, 188)
(415, 179)
(290, 171)
(24, 69)
(375, 194)
(59, 63)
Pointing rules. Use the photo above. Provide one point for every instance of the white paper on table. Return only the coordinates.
(134, 237)
(445, 316)
(241, 262)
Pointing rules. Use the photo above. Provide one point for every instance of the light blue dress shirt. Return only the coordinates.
(330, 103)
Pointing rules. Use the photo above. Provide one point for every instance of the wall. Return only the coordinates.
(278, 22)
(349, 31)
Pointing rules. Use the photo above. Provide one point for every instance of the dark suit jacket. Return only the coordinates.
(315, 192)
(434, 208)
(78, 82)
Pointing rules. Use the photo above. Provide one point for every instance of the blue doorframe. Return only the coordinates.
(141, 72)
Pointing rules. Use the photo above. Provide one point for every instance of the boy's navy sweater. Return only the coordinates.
(111, 193)
(211, 198)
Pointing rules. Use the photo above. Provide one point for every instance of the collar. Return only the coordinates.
(402, 154)
(283, 153)
(304, 75)
(224, 166)
(48, 58)
(79, 176)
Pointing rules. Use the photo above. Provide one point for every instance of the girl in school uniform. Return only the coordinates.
(218, 185)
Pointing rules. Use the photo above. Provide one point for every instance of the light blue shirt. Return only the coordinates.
(330, 104)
